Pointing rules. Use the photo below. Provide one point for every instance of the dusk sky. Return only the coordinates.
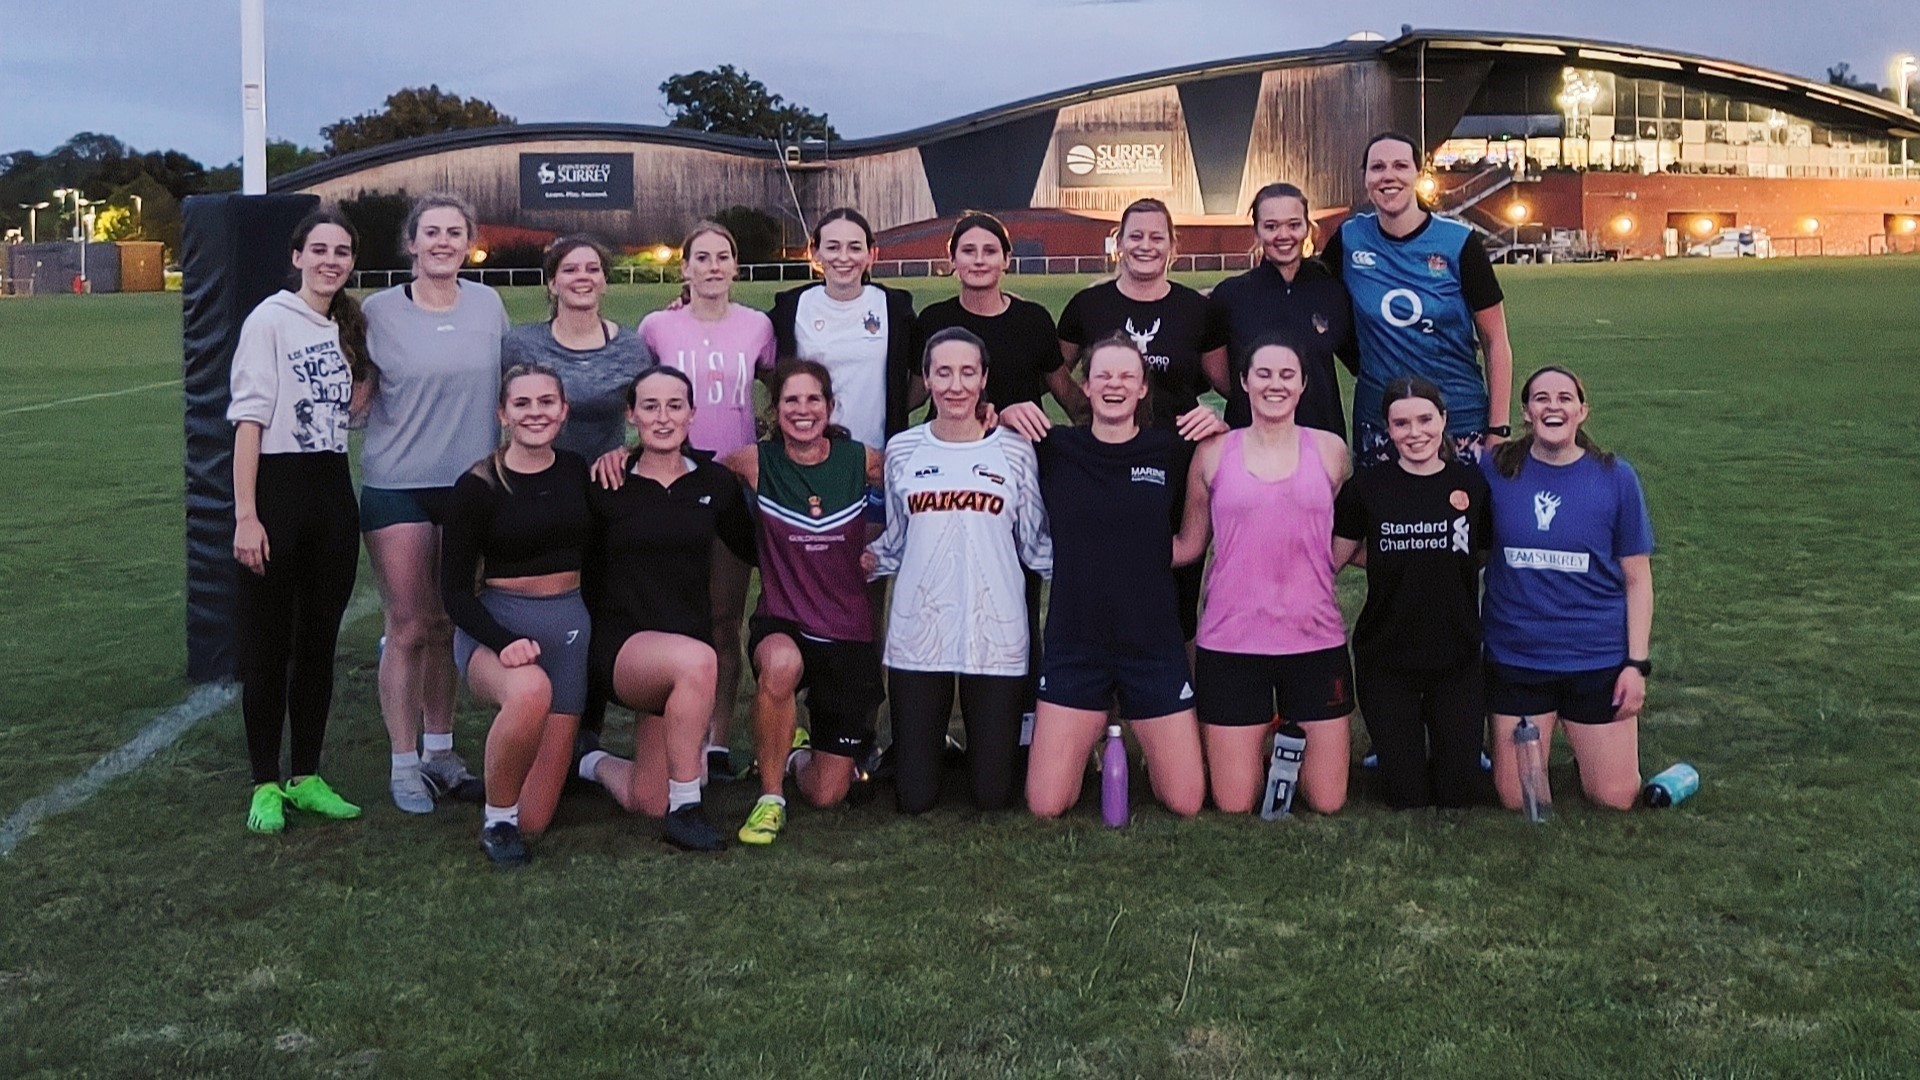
(166, 76)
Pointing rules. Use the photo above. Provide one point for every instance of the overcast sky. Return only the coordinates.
(166, 76)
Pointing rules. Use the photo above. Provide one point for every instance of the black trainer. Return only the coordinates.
(720, 766)
(501, 841)
(689, 830)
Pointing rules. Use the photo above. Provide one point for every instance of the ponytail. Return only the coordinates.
(1509, 456)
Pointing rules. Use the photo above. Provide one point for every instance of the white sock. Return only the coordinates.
(406, 763)
(777, 800)
(437, 742)
(682, 793)
(496, 814)
(591, 761)
(797, 760)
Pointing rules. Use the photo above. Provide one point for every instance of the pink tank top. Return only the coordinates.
(1270, 586)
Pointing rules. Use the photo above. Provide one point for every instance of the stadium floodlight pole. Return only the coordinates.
(33, 219)
(253, 97)
(1903, 69)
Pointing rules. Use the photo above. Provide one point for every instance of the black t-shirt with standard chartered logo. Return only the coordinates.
(1173, 332)
(1424, 538)
(1022, 349)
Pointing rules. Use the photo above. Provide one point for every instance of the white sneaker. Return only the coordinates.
(447, 773)
(410, 792)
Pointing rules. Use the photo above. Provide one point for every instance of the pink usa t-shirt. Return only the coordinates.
(722, 358)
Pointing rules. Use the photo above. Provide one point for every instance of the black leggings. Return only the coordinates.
(1427, 727)
(287, 621)
(922, 704)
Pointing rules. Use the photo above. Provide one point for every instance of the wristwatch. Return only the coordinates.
(1644, 667)
(1502, 430)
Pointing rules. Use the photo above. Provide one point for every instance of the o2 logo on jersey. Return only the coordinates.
(1402, 307)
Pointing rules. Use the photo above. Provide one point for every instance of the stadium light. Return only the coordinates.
(1810, 226)
(33, 219)
(1903, 69)
(1426, 186)
(662, 253)
(1702, 226)
(1623, 224)
(1517, 212)
(478, 255)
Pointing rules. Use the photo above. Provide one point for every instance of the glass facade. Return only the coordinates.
(1600, 120)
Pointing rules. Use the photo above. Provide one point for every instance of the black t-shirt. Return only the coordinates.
(1424, 537)
(537, 523)
(1173, 331)
(1022, 346)
(1478, 286)
(1108, 507)
(1313, 314)
(652, 556)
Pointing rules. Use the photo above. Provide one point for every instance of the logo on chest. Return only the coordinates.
(872, 323)
(1147, 474)
(1545, 505)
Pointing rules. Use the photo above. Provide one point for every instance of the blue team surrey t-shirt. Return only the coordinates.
(1555, 594)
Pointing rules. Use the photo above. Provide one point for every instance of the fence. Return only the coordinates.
(798, 271)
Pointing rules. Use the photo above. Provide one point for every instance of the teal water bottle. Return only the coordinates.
(1673, 786)
(1283, 771)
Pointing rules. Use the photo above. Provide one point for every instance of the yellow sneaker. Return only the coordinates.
(764, 823)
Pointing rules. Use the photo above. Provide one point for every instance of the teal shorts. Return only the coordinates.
(381, 507)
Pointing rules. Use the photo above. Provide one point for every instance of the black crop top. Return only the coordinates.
(650, 567)
(536, 524)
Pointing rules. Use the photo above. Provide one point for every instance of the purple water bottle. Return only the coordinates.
(1113, 779)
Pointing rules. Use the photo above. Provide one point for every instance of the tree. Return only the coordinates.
(378, 219)
(410, 113)
(1841, 74)
(727, 101)
(757, 233)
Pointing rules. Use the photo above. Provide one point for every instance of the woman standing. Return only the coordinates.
(722, 347)
(436, 341)
(650, 567)
(1271, 636)
(1113, 642)
(300, 366)
(813, 630)
(595, 359)
(1421, 530)
(963, 514)
(518, 525)
(1569, 604)
(862, 331)
(1181, 335)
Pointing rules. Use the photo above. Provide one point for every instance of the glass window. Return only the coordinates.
(1669, 101)
(1694, 105)
(1623, 97)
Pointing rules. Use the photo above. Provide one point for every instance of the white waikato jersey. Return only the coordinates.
(961, 518)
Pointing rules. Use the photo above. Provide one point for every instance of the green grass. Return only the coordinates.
(1767, 928)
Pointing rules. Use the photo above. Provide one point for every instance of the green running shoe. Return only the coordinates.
(268, 813)
(764, 823)
(313, 795)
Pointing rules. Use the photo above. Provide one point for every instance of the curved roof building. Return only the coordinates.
(1204, 138)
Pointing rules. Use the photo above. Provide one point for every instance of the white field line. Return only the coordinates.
(160, 733)
(87, 397)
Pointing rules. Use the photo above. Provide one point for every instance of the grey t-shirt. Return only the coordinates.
(596, 382)
(433, 412)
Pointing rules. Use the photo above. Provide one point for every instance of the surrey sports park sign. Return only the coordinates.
(1134, 159)
(576, 181)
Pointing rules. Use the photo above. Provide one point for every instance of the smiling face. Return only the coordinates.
(1418, 429)
(843, 253)
(1554, 409)
(1274, 381)
(440, 243)
(956, 375)
(579, 281)
(324, 260)
(1392, 168)
(709, 266)
(661, 412)
(979, 259)
(802, 410)
(1145, 244)
(533, 409)
(1116, 384)
(1280, 224)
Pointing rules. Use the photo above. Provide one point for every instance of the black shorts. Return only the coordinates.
(1241, 690)
(1144, 687)
(1579, 697)
(842, 681)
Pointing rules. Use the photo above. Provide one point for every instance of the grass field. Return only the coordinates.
(1770, 927)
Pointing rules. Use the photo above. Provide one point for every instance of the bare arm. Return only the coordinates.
(1196, 520)
(249, 536)
(1214, 363)
(1346, 552)
(1630, 689)
(1072, 399)
(745, 464)
(1492, 323)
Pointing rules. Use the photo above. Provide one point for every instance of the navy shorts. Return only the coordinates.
(1578, 697)
(381, 507)
(842, 681)
(559, 624)
(1242, 689)
(1094, 679)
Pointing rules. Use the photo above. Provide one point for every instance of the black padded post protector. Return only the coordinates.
(233, 254)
